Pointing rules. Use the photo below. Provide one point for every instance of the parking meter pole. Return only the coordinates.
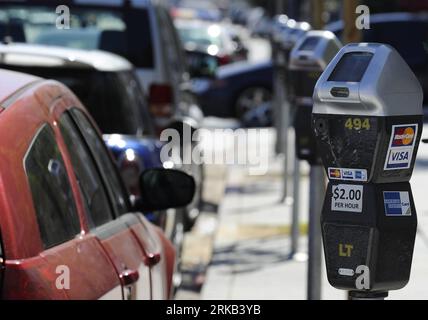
(279, 95)
(295, 231)
(278, 99)
(285, 137)
(316, 198)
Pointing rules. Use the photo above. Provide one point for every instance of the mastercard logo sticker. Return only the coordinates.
(403, 136)
(335, 173)
(401, 147)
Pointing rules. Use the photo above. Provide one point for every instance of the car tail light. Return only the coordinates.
(160, 100)
(223, 60)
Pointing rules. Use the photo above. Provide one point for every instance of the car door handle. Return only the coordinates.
(128, 277)
(152, 259)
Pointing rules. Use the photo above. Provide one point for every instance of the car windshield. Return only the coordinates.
(114, 99)
(105, 28)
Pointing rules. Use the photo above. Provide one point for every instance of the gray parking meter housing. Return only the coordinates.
(368, 79)
(293, 33)
(366, 94)
(314, 51)
(309, 57)
(367, 119)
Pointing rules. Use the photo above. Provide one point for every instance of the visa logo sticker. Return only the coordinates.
(397, 203)
(348, 174)
(401, 146)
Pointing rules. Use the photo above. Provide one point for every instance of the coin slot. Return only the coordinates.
(340, 92)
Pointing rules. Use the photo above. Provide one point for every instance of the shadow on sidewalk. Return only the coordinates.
(252, 254)
(259, 188)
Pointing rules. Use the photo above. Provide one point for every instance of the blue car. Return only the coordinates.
(134, 155)
(235, 89)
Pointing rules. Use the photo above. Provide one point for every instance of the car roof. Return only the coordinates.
(52, 56)
(13, 83)
(242, 68)
(110, 3)
(195, 23)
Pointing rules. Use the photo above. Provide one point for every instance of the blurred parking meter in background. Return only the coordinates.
(367, 118)
(308, 59)
(286, 33)
(279, 61)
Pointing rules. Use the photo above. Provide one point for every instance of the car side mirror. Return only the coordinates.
(163, 189)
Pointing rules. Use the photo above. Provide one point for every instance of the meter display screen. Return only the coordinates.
(309, 44)
(351, 67)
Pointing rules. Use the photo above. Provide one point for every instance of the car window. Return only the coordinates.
(114, 99)
(51, 190)
(138, 101)
(110, 99)
(99, 150)
(171, 43)
(101, 27)
(88, 177)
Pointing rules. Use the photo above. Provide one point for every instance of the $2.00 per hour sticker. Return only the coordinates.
(347, 197)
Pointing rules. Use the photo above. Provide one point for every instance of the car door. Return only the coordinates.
(119, 231)
(75, 265)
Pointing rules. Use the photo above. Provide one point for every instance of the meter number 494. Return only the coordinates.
(357, 124)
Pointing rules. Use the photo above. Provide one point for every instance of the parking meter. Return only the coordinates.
(295, 31)
(367, 118)
(308, 59)
(284, 39)
(291, 35)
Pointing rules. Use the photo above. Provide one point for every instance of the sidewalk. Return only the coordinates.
(251, 249)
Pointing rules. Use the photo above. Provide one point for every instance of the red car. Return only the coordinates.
(67, 227)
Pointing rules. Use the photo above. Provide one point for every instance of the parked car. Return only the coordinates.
(232, 91)
(141, 31)
(240, 49)
(406, 32)
(209, 37)
(107, 85)
(204, 9)
(65, 213)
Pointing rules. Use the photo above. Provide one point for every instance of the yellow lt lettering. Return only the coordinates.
(345, 250)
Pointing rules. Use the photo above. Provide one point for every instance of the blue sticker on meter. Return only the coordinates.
(397, 203)
(401, 146)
